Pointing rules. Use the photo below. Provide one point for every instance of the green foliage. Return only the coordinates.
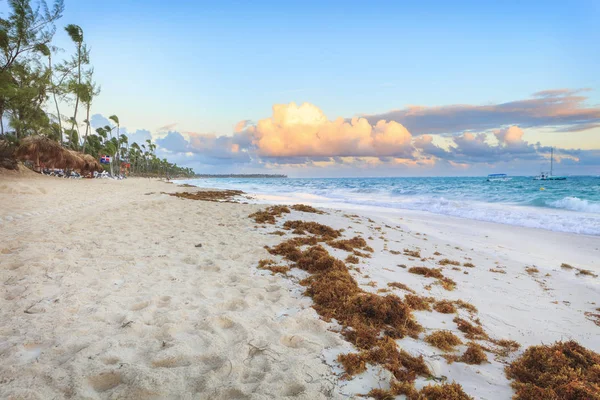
(75, 33)
(29, 81)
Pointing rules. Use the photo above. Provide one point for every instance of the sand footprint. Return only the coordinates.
(294, 389)
(105, 381)
(139, 306)
(164, 301)
(173, 361)
(231, 394)
(224, 322)
(293, 341)
(235, 305)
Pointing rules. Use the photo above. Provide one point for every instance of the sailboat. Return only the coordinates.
(547, 176)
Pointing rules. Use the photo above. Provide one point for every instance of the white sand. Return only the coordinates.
(104, 295)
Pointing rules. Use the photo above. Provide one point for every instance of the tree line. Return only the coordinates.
(34, 85)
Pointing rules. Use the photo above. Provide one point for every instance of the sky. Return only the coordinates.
(345, 88)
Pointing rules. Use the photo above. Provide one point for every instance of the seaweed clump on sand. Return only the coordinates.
(412, 253)
(221, 196)
(337, 295)
(402, 286)
(290, 249)
(427, 272)
(474, 355)
(586, 272)
(352, 259)
(418, 303)
(272, 266)
(350, 244)
(445, 391)
(505, 346)
(564, 370)
(359, 254)
(465, 305)
(324, 232)
(444, 307)
(267, 216)
(532, 270)
(594, 317)
(471, 331)
(446, 283)
(401, 364)
(443, 340)
(446, 261)
(497, 271)
(306, 208)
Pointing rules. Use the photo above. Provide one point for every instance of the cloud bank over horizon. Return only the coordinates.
(455, 139)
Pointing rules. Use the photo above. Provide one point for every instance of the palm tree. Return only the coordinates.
(110, 148)
(76, 34)
(102, 133)
(91, 90)
(123, 139)
(134, 152)
(115, 119)
(73, 135)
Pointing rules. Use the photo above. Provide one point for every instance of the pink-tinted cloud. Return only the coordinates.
(167, 128)
(561, 108)
(240, 126)
(559, 92)
(509, 136)
(305, 131)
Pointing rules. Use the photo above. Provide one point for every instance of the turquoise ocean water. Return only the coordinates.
(568, 206)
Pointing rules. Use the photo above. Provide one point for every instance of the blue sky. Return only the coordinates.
(201, 67)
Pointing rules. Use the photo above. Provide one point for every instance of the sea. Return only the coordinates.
(571, 206)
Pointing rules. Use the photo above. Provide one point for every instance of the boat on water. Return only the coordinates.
(498, 178)
(548, 176)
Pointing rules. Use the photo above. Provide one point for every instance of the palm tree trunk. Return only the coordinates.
(79, 83)
(87, 128)
(55, 101)
(59, 119)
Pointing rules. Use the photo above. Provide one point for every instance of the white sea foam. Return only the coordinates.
(569, 214)
(531, 217)
(576, 204)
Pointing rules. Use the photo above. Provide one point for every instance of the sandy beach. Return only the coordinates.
(114, 289)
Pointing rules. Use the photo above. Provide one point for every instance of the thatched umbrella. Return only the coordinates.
(91, 164)
(40, 149)
(73, 160)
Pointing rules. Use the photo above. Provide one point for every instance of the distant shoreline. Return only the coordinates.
(239, 176)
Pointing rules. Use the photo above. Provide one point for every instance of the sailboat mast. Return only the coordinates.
(551, 159)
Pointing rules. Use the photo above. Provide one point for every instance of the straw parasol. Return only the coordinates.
(40, 149)
(91, 164)
(73, 160)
